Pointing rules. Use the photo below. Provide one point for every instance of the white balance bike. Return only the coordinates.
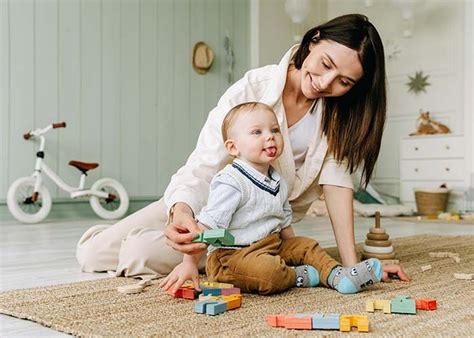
(29, 200)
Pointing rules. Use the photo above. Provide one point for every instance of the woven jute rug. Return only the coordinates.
(95, 308)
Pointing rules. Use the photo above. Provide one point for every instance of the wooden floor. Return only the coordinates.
(43, 254)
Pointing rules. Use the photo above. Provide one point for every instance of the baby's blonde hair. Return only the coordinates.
(232, 115)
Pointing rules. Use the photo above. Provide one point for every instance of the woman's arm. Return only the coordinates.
(339, 202)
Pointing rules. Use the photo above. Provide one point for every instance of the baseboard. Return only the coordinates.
(75, 209)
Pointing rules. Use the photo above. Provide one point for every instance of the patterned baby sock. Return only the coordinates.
(352, 279)
(306, 276)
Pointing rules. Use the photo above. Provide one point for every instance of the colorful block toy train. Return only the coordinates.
(318, 321)
(400, 304)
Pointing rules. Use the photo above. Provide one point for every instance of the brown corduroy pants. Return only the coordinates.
(265, 266)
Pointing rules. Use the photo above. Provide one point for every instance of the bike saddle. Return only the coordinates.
(83, 166)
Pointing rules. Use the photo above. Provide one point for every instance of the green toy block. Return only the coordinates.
(403, 304)
(216, 237)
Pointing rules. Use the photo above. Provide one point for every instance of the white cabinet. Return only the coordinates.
(429, 161)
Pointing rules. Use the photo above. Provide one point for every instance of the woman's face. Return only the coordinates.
(330, 69)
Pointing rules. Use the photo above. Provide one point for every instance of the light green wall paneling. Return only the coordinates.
(119, 73)
(4, 94)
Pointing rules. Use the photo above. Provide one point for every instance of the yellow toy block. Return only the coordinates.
(217, 285)
(378, 304)
(346, 322)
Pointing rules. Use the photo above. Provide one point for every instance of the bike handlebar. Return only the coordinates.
(37, 132)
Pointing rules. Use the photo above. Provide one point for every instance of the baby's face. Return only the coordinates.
(257, 137)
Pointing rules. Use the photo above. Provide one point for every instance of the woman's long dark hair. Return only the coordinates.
(353, 123)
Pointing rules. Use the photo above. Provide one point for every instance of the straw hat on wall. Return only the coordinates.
(203, 57)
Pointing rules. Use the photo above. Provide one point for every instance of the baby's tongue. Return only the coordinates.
(271, 151)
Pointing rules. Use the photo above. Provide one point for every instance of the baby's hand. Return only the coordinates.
(395, 270)
(180, 274)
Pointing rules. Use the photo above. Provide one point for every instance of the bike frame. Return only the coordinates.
(42, 168)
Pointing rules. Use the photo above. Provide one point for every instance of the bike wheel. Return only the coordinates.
(113, 207)
(21, 204)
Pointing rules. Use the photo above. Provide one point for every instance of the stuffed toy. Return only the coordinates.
(427, 126)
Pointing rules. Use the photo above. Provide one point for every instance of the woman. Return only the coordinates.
(330, 99)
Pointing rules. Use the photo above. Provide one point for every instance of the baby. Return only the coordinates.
(250, 199)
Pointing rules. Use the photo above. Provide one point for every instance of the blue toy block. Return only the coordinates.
(211, 291)
(216, 308)
(210, 307)
(403, 304)
(325, 322)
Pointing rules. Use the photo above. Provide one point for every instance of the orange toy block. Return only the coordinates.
(275, 320)
(299, 321)
(348, 321)
(232, 301)
(426, 304)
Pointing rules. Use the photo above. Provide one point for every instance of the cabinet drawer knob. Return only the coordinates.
(416, 148)
(447, 169)
(416, 170)
(448, 147)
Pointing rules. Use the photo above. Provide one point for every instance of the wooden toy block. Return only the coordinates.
(378, 304)
(186, 291)
(232, 301)
(216, 237)
(134, 288)
(209, 284)
(216, 285)
(346, 322)
(426, 268)
(298, 321)
(216, 308)
(207, 297)
(225, 285)
(190, 293)
(426, 304)
(390, 262)
(210, 307)
(212, 291)
(466, 276)
(403, 304)
(320, 321)
(275, 320)
(230, 291)
(443, 254)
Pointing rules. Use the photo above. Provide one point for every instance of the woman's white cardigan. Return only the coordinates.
(191, 183)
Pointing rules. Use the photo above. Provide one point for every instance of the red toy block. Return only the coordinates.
(426, 304)
(186, 292)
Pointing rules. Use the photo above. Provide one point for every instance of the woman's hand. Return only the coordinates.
(181, 273)
(395, 271)
(182, 230)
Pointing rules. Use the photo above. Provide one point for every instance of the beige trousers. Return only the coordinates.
(133, 247)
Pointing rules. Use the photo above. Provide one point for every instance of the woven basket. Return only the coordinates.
(431, 201)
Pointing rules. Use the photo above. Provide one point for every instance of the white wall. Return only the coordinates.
(275, 30)
(436, 47)
(119, 73)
